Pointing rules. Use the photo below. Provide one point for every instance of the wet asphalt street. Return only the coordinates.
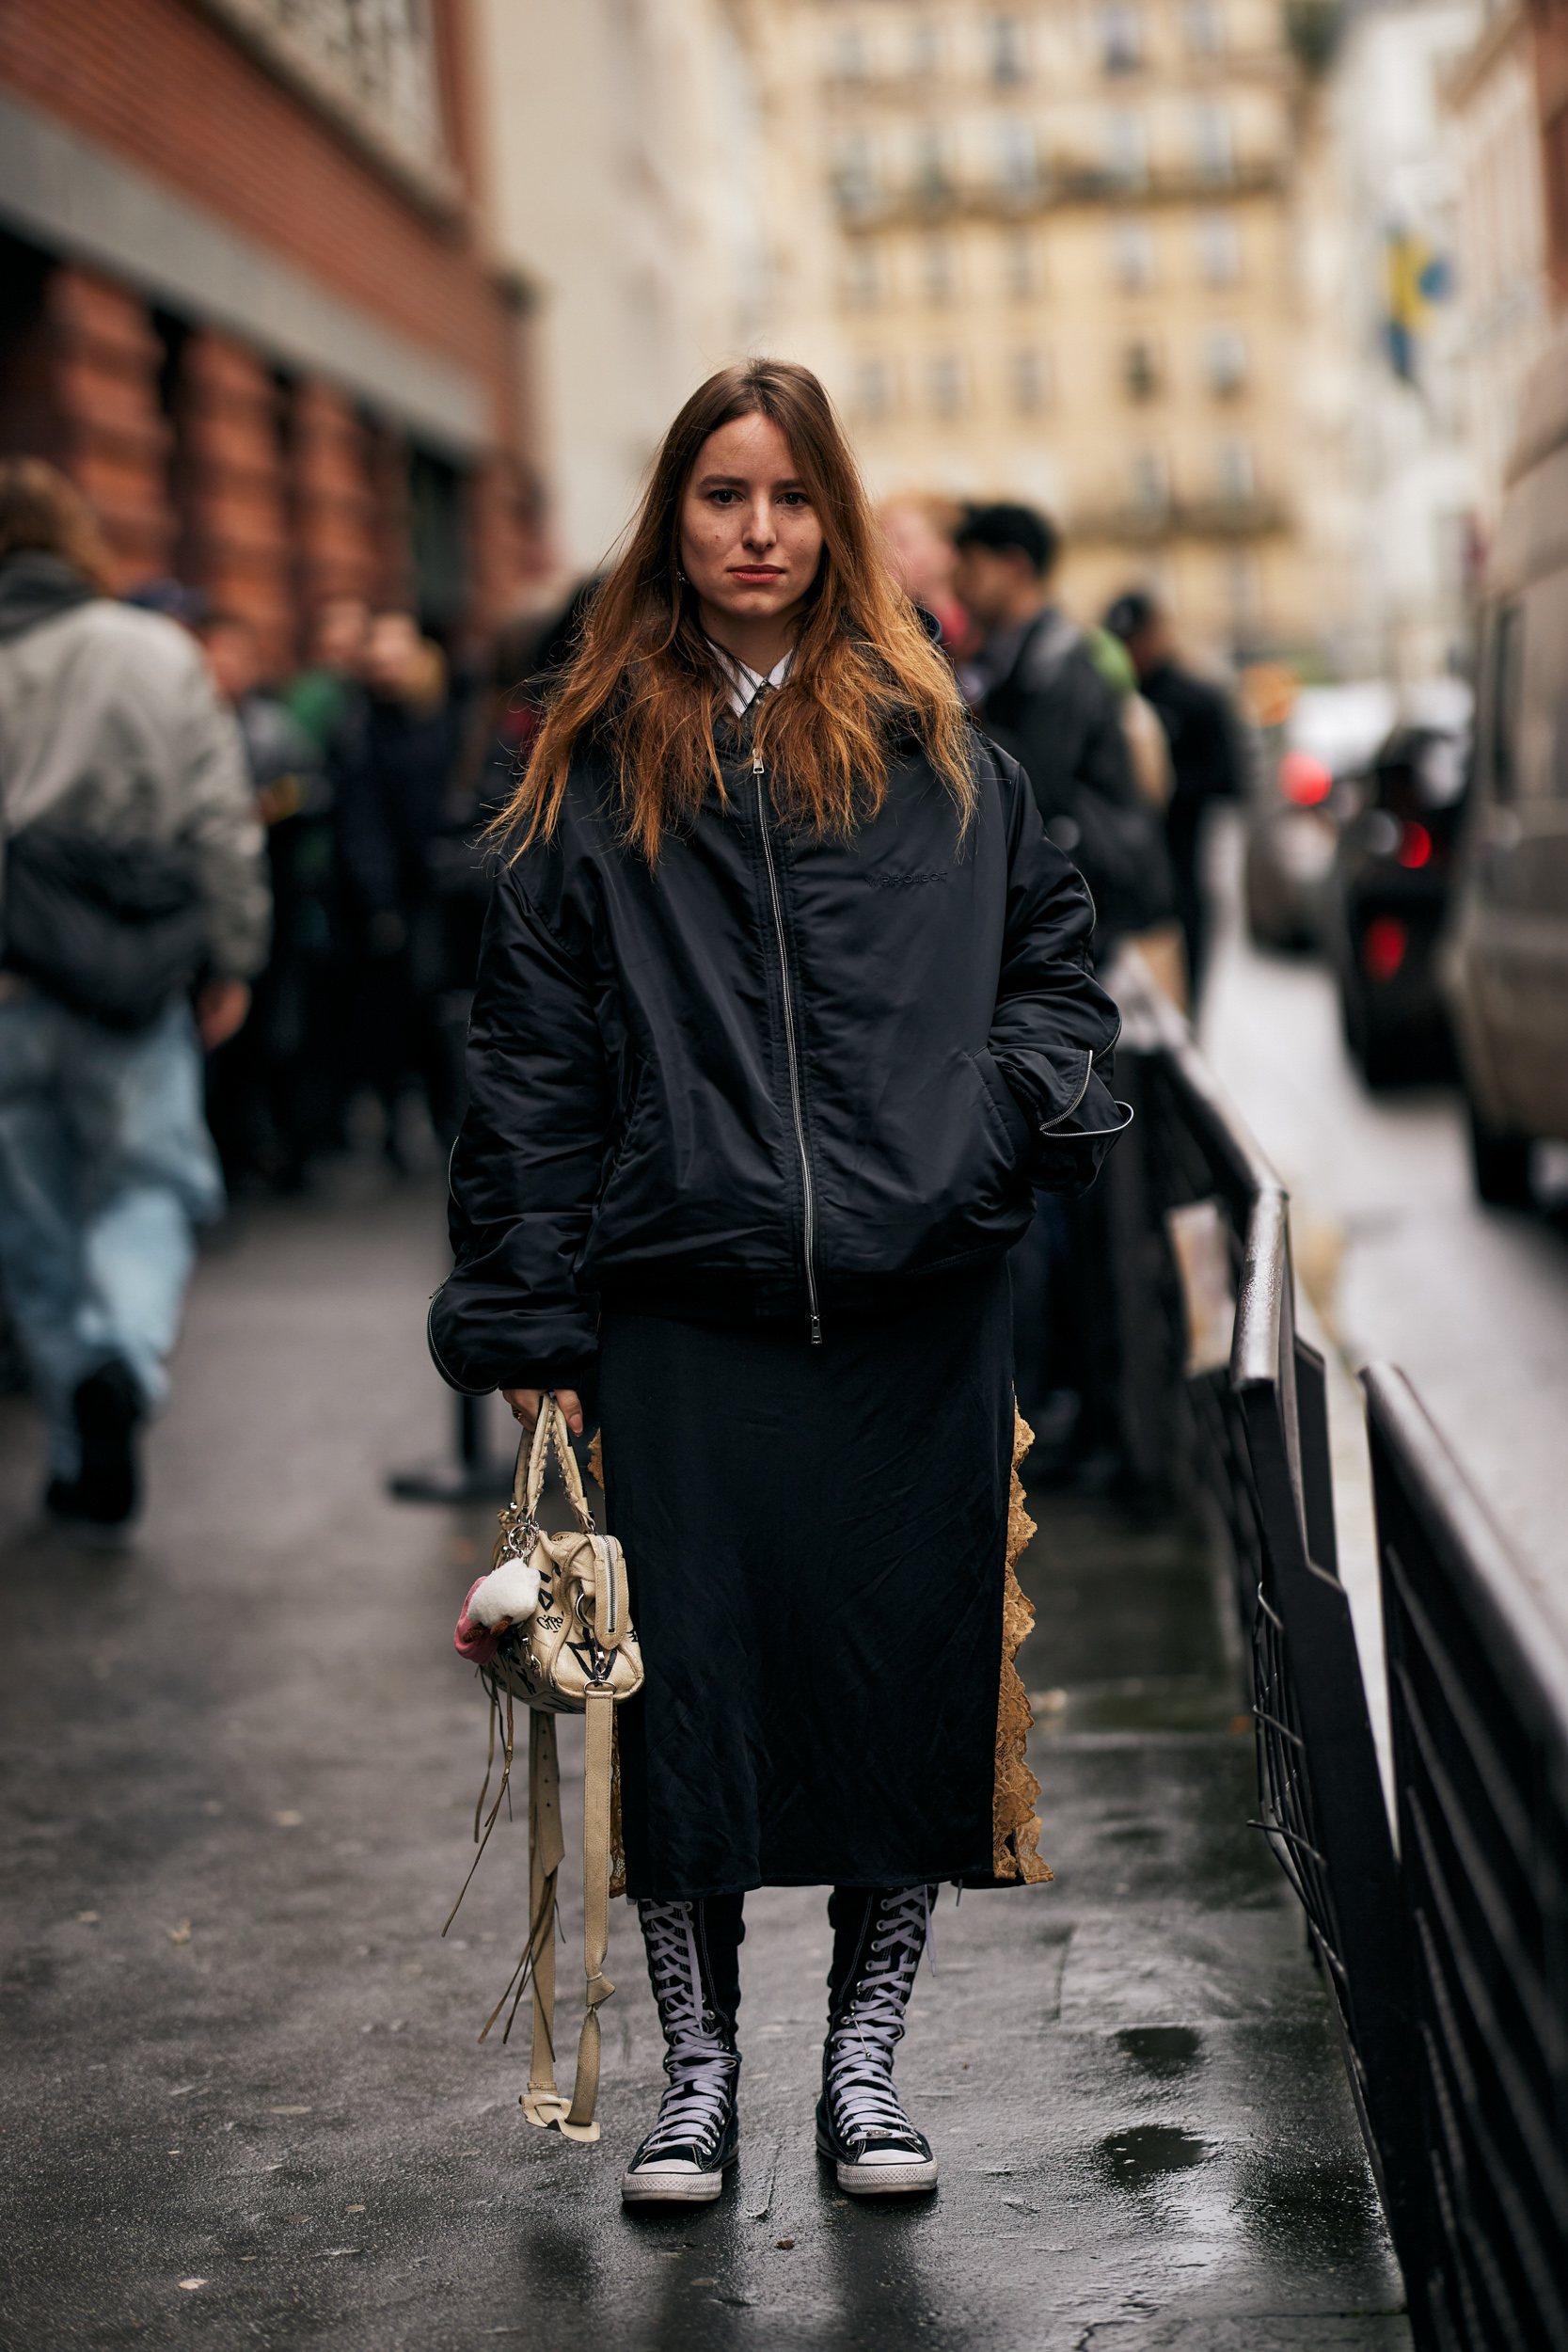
(242, 2102)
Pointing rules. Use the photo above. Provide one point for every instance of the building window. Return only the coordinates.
(925, 48)
(1004, 44)
(376, 67)
(1029, 377)
(1119, 33)
(1233, 476)
(1219, 249)
(931, 181)
(1140, 369)
(1132, 247)
(1014, 153)
(945, 383)
(1126, 148)
(1150, 481)
(875, 391)
(864, 279)
(855, 175)
(1203, 23)
(1211, 149)
(1019, 274)
(1224, 362)
(939, 270)
(851, 56)
(1244, 592)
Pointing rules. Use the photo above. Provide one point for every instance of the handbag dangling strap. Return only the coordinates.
(600, 1723)
(542, 2103)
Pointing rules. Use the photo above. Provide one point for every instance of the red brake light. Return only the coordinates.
(1415, 844)
(1305, 780)
(1383, 946)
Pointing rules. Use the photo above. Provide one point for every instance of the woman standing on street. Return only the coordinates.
(785, 1003)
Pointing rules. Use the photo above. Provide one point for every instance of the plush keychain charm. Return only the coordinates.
(510, 1592)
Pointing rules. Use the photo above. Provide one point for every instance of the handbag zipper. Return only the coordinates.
(808, 1193)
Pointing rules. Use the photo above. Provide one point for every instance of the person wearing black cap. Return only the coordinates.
(1036, 689)
(1037, 692)
(1205, 756)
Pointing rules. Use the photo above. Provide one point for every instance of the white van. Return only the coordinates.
(1505, 961)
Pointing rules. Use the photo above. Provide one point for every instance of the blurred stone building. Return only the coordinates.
(624, 164)
(1395, 162)
(1053, 252)
(243, 301)
(1504, 291)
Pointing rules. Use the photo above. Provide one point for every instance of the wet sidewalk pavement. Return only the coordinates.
(243, 2102)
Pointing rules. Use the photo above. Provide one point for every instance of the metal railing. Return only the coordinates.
(1447, 1963)
(1251, 1437)
(1478, 1684)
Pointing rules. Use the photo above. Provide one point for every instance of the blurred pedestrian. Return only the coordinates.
(759, 1080)
(317, 697)
(271, 1090)
(133, 876)
(1038, 690)
(1205, 749)
(919, 534)
(394, 758)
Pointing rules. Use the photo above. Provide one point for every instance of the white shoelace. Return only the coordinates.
(695, 2108)
(861, 2096)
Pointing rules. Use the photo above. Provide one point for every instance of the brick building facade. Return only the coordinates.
(243, 302)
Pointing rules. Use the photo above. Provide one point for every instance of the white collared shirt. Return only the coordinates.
(747, 684)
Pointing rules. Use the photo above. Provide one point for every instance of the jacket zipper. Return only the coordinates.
(1062, 1116)
(808, 1191)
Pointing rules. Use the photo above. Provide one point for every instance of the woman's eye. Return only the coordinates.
(723, 497)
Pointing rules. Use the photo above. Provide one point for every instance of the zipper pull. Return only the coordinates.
(758, 769)
(817, 1331)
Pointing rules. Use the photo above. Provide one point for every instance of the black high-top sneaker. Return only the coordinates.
(691, 1967)
(860, 2124)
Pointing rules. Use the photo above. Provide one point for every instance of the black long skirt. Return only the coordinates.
(816, 1540)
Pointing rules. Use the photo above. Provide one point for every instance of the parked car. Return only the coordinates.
(1389, 895)
(1292, 825)
(1505, 961)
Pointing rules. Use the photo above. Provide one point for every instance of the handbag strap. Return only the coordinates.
(541, 2102)
(527, 1481)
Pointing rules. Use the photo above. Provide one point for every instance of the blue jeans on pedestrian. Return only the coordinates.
(105, 1163)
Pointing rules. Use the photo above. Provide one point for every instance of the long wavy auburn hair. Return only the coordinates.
(647, 685)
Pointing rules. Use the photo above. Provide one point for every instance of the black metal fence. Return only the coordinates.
(1448, 1971)
(1477, 1687)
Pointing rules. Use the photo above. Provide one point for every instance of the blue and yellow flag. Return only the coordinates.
(1416, 279)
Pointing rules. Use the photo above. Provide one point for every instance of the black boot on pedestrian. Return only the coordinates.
(103, 1495)
(878, 1935)
(693, 1966)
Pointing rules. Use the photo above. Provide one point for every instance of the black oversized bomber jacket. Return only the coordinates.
(776, 1076)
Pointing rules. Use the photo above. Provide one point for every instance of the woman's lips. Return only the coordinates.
(756, 574)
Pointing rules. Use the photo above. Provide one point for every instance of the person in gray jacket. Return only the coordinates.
(135, 910)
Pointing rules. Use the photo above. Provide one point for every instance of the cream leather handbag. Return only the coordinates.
(568, 1648)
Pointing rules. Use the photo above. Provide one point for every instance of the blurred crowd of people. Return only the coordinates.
(1126, 748)
(375, 769)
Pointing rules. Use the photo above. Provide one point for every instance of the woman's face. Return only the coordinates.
(751, 541)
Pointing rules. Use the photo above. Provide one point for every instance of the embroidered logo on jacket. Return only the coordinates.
(882, 880)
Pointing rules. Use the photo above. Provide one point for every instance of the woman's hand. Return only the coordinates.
(525, 1406)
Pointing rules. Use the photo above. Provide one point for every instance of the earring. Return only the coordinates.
(681, 577)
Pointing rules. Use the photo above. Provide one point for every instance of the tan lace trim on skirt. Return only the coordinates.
(1014, 1823)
